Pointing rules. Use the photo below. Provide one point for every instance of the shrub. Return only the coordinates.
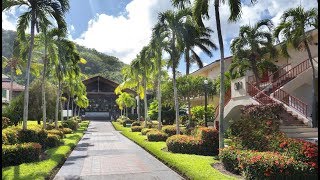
(10, 135)
(156, 135)
(183, 144)
(126, 121)
(167, 113)
(170, 130)
(209, 140)
(6, 122)
(257, 125)
(66, 130)
(20, 153)
(50, 126)
(53, 140)
(144, 131)
(33, 134)
(56, 132)
(136, 123)
(266, 165)
(136, 128)
(72, 124)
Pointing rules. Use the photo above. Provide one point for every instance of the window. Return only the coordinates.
(4, 93)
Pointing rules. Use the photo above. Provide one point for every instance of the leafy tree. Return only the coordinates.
(292, 27)
(124, 101)
(252, 45)
(37, 14)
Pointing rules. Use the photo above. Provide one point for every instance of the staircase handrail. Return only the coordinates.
(296, 70)
(295, 102)
(271, 75)
(253, 91)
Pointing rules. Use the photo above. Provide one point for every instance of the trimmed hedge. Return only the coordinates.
(10, 135)
(53, 140)
(266, 165)
(66, 130)
(205, 142)
(170, 130)
(56, 132)
(14, 135)
(136, 128)
(156, 135)
(144, 131)
(126, 121)
(72, 124)
(20, 153)
(183, 144)
(135, 123)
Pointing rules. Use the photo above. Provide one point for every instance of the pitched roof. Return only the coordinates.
(16, 87)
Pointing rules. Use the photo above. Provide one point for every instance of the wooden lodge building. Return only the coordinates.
(102, 99)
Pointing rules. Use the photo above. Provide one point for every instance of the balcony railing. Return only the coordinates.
(291, 101)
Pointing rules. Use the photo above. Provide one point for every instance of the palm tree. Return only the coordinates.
(293, 26)
(38, 13)
(253, 44)
(157, 44)
(194, 36)
(201, 10)
(173, 24)
(146, 66)
(14, 63)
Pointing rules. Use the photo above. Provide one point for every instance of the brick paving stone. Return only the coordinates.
(103, 153)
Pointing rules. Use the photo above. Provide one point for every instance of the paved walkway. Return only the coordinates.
(103, 153)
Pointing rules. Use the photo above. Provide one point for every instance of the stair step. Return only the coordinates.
(299, 130)
(303, 135)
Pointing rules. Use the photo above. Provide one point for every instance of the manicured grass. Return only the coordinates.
(191, 166)
(43, 169)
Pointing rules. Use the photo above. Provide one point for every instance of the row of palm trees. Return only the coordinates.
(178, 32)
(59, 56)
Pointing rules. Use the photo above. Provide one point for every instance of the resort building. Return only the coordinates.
(290, 85)
(6, 86)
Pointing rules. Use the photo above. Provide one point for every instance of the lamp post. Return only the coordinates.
(138, 107)
(205, 102)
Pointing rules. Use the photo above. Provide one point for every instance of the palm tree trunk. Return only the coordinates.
(79, 111)
(187, 57)
(44, 108)
(221, 102)
(159, 92)
(145, 100)
(255, 71)
(26, 90)
(138, 106)
(314, 81)
(57, 106)
(61, 107)
(69, 97)
(176, 103)
(11, 84)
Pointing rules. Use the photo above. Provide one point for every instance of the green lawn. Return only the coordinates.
(191, 166)
(43, 169)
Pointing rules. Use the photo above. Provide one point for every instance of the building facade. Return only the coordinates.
(6, 86)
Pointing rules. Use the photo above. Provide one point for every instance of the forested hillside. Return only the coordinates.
(97, 63)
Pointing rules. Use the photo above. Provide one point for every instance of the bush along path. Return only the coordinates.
(190, 166)
(32, 166)
(103, 153)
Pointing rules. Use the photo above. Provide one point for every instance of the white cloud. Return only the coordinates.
(8, 20)
(124, 36)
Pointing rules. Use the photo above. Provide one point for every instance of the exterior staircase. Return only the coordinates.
(291, 124)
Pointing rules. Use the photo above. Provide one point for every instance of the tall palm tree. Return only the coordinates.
(173, 24)
(200, 11)
(38, 12)
(253, 44)
(293, 26)
(194, 36)
(157, 44)
(15, 65)
(146, 66)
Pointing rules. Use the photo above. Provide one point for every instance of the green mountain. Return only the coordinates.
(97, 63)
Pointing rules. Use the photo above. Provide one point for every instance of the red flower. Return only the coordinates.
(284, 144)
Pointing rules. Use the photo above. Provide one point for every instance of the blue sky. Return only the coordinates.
(122, 27)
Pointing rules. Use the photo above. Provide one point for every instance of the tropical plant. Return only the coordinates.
(172, 24)
(200, 11)
(252, 46)
(124, 101)
(37, 14)
(292, 27)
